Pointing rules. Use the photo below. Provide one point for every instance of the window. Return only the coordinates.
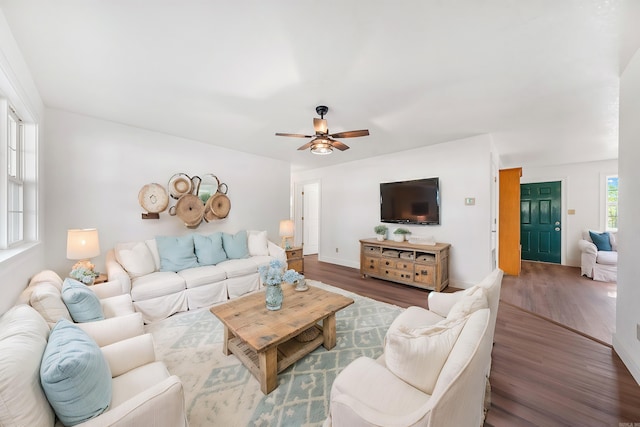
(612, 203)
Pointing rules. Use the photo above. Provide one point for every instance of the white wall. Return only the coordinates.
(625, 341)
(16, 85)
(583, 186)
(95, 169)
(350, 203)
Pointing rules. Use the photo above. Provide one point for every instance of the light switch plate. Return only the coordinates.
(470, 201)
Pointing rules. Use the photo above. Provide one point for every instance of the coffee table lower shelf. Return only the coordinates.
(288, 352)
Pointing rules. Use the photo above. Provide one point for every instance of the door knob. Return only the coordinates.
(557, 222)
(557, 228)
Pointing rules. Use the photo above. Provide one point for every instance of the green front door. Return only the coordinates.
(540, 227)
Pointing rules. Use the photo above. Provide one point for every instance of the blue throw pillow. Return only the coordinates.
(82, 303)
(209, 250)
(176, 253)
(74, 375)
(236, 245)
(601, 240)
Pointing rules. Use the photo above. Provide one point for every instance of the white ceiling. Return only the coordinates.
(541, 76)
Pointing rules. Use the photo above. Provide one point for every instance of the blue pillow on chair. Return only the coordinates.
(75, 375)
(83, 304)
(601, 240)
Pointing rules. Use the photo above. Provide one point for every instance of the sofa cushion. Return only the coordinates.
(258, 243)
(23, 338)
(261, 260)
(156, 284)
(204, 275)
(135, 258)
(46, 298)
(601, 240)
(416, 355)
(176, 253)
(209, 250)
(607, 258)
(75, 375)
(235, 245)
(473, 299)
(82, 303)
(238, 267)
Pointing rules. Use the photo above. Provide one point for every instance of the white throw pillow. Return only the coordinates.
(417, 356)
(475, 299)
(153, 247)
(136, 258)
(46, 298)
(257, 242)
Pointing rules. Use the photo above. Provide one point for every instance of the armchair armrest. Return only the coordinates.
(277, 252)
(108, 289)
(441, 303)
(120, 305)
(587, 247)
(129, 354)
(109, 331)
(161, 405)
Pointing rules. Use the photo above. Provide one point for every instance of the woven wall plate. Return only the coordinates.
(180, 184)
(220, 205)
(190, 210)
(153, 198)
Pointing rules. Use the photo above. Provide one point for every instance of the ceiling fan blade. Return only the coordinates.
(295, 135)
(350, 134)
(339, 145)
(307, 145)
(320, 125)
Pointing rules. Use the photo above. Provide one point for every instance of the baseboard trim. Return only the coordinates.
(338, 261)
(626, 358)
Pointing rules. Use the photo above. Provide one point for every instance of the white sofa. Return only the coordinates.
(412, 388)
(142, 390)
(601, 265)
(157, 294)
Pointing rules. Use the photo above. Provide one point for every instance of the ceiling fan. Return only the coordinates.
(323, 142)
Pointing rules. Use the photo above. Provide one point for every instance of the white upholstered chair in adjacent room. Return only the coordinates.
(599, 258)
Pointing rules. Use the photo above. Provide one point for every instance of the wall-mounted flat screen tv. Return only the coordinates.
(411, 202)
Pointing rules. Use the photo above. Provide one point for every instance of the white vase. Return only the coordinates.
(380, 237)
(398, 237)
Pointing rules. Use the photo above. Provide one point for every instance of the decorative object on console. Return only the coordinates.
(271, 276)
(323, 142)
(381, 232)
(82, 245)
(286, 232)
(154, 199)
(422, 240)
(399, 234)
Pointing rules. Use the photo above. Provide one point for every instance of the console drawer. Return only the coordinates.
(425, 274)
(370, 264)
(396, 275)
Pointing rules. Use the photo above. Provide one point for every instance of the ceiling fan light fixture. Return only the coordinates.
(322, 148)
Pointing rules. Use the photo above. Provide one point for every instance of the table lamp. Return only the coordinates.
(82, 245)
(286, 232)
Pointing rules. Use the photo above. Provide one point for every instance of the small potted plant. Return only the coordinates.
(399, 234)
(381, 232)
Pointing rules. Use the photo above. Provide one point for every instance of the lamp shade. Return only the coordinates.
(286, 228)
(82, 244)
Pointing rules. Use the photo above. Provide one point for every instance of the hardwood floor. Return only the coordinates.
(544, 373)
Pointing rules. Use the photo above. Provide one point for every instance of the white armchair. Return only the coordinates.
(597, 264)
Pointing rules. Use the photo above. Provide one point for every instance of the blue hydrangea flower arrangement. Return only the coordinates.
(272, 274)
(291, 276)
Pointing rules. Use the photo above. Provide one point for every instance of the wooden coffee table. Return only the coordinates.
(264, 340)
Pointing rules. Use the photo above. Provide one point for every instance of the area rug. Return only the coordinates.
(219, 390)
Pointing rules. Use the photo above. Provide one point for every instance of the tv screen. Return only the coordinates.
(411, 202)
